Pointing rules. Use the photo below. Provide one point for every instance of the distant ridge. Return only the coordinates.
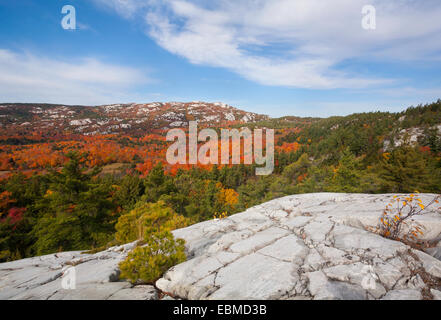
(132, 118)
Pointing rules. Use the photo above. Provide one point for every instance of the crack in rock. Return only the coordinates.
(309, 246)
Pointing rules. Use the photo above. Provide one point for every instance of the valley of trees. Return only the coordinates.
(88, 193)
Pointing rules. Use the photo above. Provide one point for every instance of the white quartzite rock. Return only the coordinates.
(41, 277)
(311, 246)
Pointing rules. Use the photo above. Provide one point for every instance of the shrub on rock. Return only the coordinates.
(148, 263)
(146, 219)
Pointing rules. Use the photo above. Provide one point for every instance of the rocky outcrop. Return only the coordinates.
(85, 276)
(312, 246)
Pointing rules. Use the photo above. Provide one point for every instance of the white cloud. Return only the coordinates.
(87, 81)
(126, 8)
(294, 43)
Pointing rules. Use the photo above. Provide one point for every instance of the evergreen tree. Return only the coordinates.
(347, 174)
(129, 191)
(75, 213)
(157, 183)
(293, 171)
(405, 170)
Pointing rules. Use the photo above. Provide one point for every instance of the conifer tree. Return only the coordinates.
(405, 170)
(347, 174)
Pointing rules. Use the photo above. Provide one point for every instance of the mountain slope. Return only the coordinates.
(117, 118)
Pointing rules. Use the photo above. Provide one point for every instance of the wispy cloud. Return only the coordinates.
(85, 81)
(294, 43)
(126, 8)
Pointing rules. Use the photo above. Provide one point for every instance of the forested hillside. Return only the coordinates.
(78, 192)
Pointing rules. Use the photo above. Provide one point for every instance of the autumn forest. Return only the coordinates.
(77, 184)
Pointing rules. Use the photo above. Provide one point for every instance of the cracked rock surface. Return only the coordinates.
(310, 246)
(96, 277)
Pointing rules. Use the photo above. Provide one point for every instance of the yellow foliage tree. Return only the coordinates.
(228, 197)
(146, 219)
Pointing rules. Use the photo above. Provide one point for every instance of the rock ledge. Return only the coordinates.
(310, 246)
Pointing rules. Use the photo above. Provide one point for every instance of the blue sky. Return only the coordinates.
(277, 57)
